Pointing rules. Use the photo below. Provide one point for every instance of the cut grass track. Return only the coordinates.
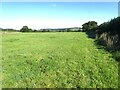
(56, 59)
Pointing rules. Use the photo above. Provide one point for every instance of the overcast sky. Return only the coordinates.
(37, 15)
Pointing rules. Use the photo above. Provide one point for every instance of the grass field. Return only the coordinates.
(56, 59)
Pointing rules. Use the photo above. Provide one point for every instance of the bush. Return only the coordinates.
(108, 34)
(25, 29)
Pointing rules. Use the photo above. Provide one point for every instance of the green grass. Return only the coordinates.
(56, 59)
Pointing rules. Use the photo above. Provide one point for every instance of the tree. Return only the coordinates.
(85, 27)
(89, 25)
(25, 29)
(90, 28)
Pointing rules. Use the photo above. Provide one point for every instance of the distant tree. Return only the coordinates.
(47, 30)
(30, 30)
(35, 30)
(79, 29)
(68, 30)
(43, 30)
(25, 29)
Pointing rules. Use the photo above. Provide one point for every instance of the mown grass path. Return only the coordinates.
(61, 59)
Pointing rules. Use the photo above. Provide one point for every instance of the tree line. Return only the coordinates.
(106, 34)
(74, 29)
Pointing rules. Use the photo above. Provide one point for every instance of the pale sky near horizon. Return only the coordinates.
(37, 15)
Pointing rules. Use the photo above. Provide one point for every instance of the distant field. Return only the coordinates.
(56, 59)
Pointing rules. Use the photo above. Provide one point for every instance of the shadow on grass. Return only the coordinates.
(91, 34)
(115, 53)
